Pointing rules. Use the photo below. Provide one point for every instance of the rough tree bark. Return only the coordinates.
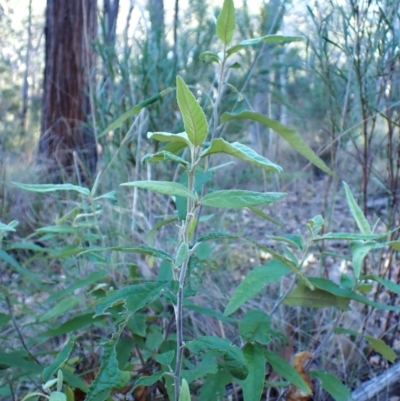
(67, 145)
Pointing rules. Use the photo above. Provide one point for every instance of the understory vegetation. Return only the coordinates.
(240, 240)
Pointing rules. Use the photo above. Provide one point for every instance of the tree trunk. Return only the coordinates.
(67, 144)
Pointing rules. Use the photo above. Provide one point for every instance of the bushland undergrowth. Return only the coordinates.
(152, 350)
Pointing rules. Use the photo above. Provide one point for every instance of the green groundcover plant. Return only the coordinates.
(199, 367)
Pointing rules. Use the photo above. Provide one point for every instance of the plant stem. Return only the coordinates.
(182, 275)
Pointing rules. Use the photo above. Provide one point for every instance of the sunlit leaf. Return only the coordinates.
(210, 56)
(360, 250)
(332, 385)
(194, 119)
(254, 282)
(163, 156)
(289, 135)
(265, 39)
(226, 22)
(242, 152)
(42, 188)
(181, 137)
(133, 111)
(184, 394)
(236, 199)
(162, 187)
(356, 211)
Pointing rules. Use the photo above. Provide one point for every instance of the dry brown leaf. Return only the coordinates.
(294, 393)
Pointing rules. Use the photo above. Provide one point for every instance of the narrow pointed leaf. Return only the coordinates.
(6, 227)
(382, 348)
(360, 250)
(332, 385)
(356, 211)
(181, 137)
(253, 385)
(242, 152)
(350, 237)
(162, 187)
(20, 269)
(62, 307)
(390, 285)
(194, 119)
(134, 110)
(236, 199)
(289, 135)
(132, 297)
(265, 39)
(263, 215)
(43, 188)
(254, 282)
(226, 22)
(287, 371)
(62, 357)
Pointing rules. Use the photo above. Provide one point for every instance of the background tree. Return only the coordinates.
(66, 141)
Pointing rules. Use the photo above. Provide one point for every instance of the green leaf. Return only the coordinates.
(143, 250)
(284, 369)
(264, 39)
(253, 385)
(356, 211)
(42, 188)
(184, 394)
(289, 135)
(72, 325)
(62, 229)
(390, 285)
(209, 312)
(377, 344)
(133, 111)
(21, 362)
(206, 366)
(213, 387)
(181, 138)
(4, 319)
(236, 199)
(6, 227)
(148, 380)
(349, 237)
(109, 377)
(62, 307)
(57, 396)
(382, 348)
(303, 296)
(210, 56)
(315, 225)
(21, 270)
(256, 326)
(236, 364)
(151, 234)
(226, 22)
(163, 156)
(162, 187)
(263, 215)
(61, 358)
(360, 249)
(194, 119)
(165, 358)
(242, 152)
(332, 385)
(92, 278)
(329, 286)
(133, 297)
(254, 282)
(395, 245)
(181, 254)
(233, 357)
